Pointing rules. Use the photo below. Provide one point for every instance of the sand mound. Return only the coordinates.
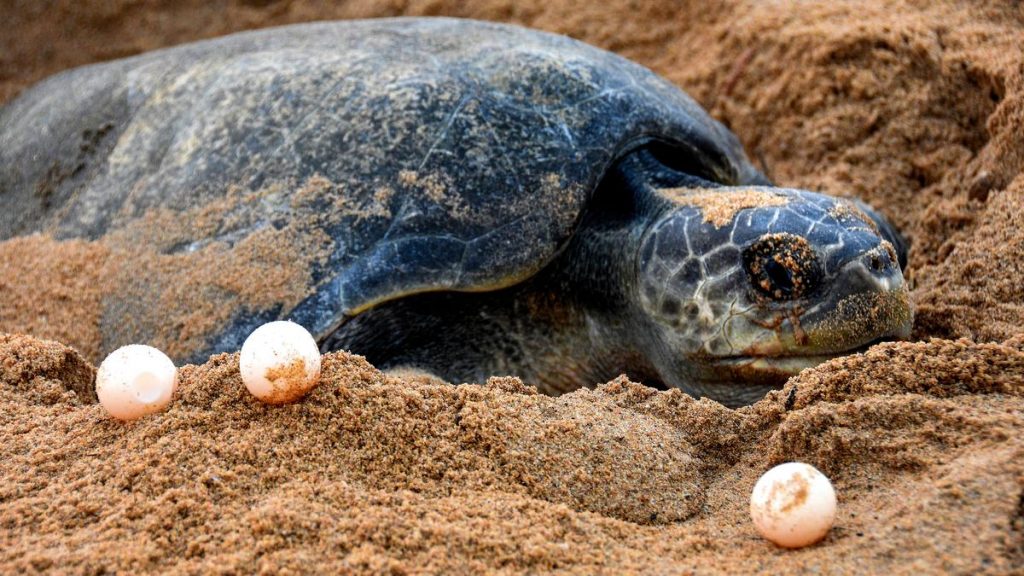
(918, 108)
(922, 441)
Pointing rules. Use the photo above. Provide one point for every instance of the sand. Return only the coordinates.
(917, 107)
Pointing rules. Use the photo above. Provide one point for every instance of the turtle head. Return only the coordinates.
(745, 287)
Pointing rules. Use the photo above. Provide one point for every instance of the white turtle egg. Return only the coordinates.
(134, 381)
(793, 505)
(279, 362)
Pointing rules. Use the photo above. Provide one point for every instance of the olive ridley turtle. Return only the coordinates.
(491, 200)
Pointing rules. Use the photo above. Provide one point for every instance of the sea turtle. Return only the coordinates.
(485, 199)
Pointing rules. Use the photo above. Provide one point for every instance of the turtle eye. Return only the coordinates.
(782, 266)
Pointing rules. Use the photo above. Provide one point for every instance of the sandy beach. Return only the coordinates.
(916, 107)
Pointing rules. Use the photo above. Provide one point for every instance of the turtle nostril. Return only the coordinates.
(877, 263)
(881, 259)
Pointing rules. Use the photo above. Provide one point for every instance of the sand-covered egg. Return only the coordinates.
(280, 362)
(793, 505)
(134, 381)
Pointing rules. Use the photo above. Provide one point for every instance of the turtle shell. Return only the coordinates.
(447, 155)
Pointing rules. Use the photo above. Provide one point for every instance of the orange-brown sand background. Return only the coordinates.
(917, 107)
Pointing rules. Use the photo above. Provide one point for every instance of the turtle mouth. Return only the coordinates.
(740, 380)
(762, 367)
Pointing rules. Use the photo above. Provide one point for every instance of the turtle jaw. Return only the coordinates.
(736, 381)
(775, 370)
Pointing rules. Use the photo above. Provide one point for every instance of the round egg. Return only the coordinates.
(279, 362)
(134, 381)
(793, 505)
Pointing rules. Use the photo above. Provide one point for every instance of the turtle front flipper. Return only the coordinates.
(498, 258)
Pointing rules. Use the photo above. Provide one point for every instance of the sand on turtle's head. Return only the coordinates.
(719, 206)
